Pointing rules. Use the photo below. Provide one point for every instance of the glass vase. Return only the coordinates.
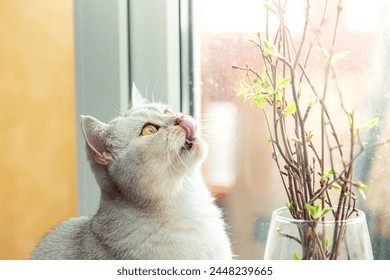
(289, 238)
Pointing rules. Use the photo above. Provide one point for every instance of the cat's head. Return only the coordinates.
(147, 147)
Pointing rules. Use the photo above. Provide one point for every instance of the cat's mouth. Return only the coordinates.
(187, 145)
(190, 129)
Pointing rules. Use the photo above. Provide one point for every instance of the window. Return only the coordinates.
(185, 49)
(239, 164)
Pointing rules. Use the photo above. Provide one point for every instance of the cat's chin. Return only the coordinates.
(195, 150)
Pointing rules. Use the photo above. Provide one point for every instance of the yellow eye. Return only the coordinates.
(169, 113)
(149, 129)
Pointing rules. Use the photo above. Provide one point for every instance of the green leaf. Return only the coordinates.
(295, 139)
(270, 48)
(363, 187)
(349, 116)
(318, 208)
(326, 241)
(309, 136)
(290, 109)
(300, 90)
(243, 85)
(244, 89)
(259, 100)
(371, 123)
(295, 256)
(325, 211)
(339, 56)
(327, 174)
(269, 7)
(251, 40)
(281, 84)
(336, 187)
(283, 81)
(242, 92)
(325, 54)
(289, 205)
(362, 194)
(312, 209)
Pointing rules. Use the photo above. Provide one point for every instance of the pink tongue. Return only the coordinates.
(189, 128)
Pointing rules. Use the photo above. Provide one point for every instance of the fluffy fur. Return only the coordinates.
(154, 203)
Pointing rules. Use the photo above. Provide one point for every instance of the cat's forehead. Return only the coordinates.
(147, 110)
(144, 113)
(157, 108)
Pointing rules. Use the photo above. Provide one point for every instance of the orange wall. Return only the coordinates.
(37, 121)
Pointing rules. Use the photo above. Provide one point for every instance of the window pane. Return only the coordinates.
(240, 166)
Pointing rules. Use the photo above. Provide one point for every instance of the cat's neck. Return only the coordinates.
(186, 189)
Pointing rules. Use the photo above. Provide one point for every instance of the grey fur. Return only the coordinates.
(154, 203)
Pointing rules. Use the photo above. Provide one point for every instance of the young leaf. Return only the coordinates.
(269, 7)
(327, 174)
(259, 100)
(339, 56)
(363, 187)
(270, 48)
(318, 208)
(242, 92)
(244, 85)
(290, 109)
(349, 116)
(326, 241)
(285, 81)
(325, 54)
(325, 211)
(336, 187)
(300, 90)
(295, 256)
(251, 40)
(312, 209)
(289, 205)
(295, 139)
(371, 123)
(309, 136)
(362, 194)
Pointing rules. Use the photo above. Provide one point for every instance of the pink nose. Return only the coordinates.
(189, 127)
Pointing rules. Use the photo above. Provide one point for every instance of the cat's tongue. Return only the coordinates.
(190, 129)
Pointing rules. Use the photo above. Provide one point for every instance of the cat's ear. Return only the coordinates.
(136, 97)
(95, 137)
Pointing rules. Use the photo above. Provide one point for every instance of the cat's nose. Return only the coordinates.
(188, 126)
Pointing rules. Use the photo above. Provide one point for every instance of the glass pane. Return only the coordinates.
(240, 169)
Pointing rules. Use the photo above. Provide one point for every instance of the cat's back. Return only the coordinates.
(64, 240)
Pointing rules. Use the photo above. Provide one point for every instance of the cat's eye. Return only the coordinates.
(169, 113)
(149, 129)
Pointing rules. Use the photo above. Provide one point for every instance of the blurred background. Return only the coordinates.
(63, 58)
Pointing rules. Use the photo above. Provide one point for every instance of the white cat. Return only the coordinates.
(154, 203)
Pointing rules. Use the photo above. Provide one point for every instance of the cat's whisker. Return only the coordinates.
(117, 110)
(147, 90)
(154, 90)
(170, 165)
(167, 155)
(182, 162)
(207, 133)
